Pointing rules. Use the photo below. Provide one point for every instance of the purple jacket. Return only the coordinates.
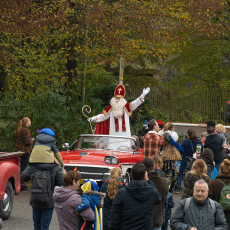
(65, 202)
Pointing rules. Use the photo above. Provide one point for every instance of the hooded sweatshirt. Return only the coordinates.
(133, 206)
(45, 150)
(65, 202)
(214, 142)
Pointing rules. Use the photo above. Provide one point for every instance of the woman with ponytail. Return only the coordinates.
(110, 187)
(216, 185)
(23, 140)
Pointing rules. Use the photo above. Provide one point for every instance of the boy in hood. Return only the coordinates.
(94, 199)
(45, 149)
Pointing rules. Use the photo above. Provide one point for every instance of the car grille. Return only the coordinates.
(88, 171)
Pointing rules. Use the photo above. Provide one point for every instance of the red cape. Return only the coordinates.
(103, 127)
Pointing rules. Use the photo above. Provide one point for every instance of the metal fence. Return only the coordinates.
(193, 105)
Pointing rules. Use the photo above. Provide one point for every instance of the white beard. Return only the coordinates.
(118, 107)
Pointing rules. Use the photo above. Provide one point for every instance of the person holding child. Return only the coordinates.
(66, 199)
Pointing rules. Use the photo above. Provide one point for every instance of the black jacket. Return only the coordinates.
(214, 142)
(198, 215)
(133, 206)
(57, 179)
(207, 162)
(107, 201)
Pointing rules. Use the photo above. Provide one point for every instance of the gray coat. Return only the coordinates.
(199, 215)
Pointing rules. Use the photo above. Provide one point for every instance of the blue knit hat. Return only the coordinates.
(47, 131)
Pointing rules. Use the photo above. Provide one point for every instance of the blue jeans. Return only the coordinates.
(179, 178)
(42, 218)
(157, 228)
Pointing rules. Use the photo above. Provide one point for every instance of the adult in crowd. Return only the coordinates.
(44, 178)
(133, 205)
(110, 187)
(162, 187)
(143, 130)
(214, 142)
(169, 128)
(170, 156)
(45, 149)
(198, 212)
(198, 171)
(216, 185)
(66, 199)
(189, 145)
(152, 140)
(158, 165)
(222, 132)
(23, 140)
(207, 157)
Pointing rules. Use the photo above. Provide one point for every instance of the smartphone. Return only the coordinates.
(198, 149)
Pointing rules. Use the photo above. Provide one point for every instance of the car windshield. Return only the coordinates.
(107, 143)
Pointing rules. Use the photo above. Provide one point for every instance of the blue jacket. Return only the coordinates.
(169, 206)
(189, 150)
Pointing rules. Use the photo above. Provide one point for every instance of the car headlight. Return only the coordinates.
(111, 160)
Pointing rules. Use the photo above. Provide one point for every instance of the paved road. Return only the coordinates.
(21, 216)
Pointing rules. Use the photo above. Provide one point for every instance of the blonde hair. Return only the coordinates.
(168, 126)
(158, 161)
(225, 167)
(199, 168)
(114, 184)
(204, 134)
(22, 123)
(220, 128)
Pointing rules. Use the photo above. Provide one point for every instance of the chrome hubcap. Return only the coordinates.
(6, 201)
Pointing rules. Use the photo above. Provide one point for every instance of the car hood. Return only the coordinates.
(95, 157)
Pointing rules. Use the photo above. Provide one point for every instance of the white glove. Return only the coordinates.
(92, 119)
(145, 91)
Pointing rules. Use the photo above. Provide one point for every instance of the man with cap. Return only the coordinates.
(45, 149)
(152, 140)
(214, 142)
(114, 120)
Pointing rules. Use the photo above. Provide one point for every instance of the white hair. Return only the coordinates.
(118, 107)
(201, 181)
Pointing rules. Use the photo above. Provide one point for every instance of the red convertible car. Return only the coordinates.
(95, 155)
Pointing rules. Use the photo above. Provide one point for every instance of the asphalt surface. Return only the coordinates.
(21, 216)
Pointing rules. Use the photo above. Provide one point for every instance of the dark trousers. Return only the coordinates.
(42, 218)
(179, 178)
(24, 161)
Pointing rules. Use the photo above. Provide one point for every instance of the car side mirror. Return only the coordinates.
(65, 146)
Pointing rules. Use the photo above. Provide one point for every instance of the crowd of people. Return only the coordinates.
(145, 202)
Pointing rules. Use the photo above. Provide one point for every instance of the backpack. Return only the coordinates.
(225, 196)
(41, 191)
(188, 200)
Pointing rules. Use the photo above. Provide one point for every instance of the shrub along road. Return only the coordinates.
(21, 217)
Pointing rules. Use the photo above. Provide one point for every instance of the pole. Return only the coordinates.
(121, 71)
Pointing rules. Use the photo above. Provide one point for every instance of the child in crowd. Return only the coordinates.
(158, 164)
(203, 137)
(94, 199)
(169, 206)
(45, 149)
